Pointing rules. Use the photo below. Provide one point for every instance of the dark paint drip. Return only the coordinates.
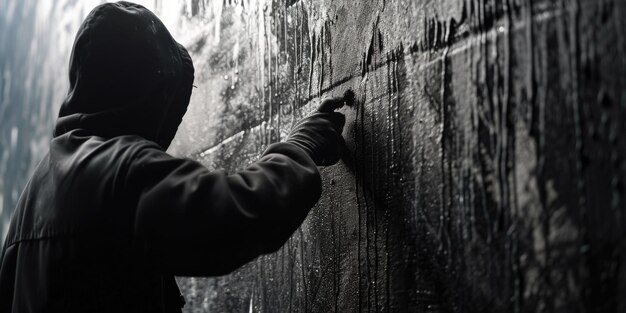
(375, 41)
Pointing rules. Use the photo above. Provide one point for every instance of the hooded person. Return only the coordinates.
(109, 218)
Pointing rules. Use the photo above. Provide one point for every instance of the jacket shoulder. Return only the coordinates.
(79, 187)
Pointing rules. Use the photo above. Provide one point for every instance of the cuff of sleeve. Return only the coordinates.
(291, 150)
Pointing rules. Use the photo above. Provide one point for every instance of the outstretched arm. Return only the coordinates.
(194, 222)
(201, 223)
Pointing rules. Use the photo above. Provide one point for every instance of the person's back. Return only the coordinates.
(70, 243)
(108, 218)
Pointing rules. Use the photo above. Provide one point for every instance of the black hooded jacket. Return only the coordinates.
(108, 218)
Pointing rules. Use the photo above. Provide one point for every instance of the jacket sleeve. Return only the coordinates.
(191, 221)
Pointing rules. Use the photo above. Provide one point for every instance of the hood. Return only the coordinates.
(128, 76)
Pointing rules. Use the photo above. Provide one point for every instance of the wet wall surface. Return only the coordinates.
(485, 160)
(485, 163)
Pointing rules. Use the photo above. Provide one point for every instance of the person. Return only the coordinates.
(109, 218)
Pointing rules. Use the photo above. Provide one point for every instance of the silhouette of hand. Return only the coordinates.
(320, 133)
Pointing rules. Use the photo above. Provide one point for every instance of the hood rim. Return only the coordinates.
(114, 121)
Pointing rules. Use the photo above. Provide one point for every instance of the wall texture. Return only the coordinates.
(485, 163)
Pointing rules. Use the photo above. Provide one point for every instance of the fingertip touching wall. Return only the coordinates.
(484, 169)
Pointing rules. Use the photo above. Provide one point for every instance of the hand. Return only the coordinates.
(320, 133)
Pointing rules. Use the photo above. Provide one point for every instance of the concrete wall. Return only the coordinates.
(485, 163)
